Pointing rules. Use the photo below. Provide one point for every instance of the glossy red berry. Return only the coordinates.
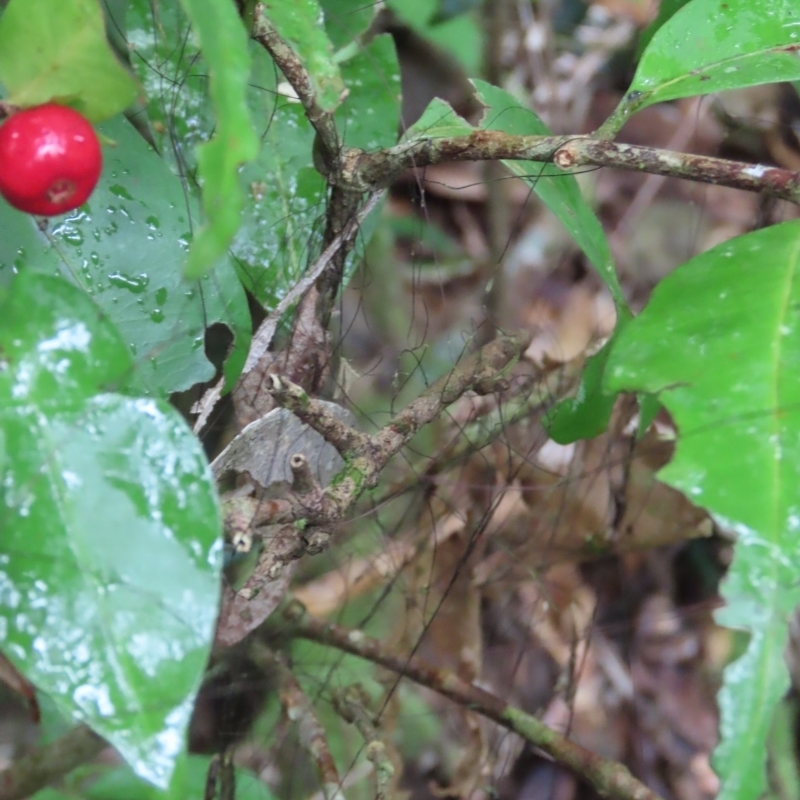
(50, 159)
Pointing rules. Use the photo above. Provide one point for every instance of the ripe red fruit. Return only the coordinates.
(50, 159)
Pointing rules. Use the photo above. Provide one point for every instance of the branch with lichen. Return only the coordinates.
(366, 456)
(351, 170)
(609, 778)
(380, 168)
(301, 521)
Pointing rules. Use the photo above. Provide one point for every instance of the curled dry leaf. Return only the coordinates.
(565, 329)
(264, 450)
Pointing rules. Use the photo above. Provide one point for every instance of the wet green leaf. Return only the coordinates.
(369, 117)
(284, 215)
(284, 202)
(713, 45)
(224, 44)
(301, 24)
(168, 62)
(720, 341)
(560, 193)
(784, 772)
(126, 248)
(111, 536)
(58, 51)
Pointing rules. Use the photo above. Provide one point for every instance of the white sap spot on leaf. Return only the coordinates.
(74, 337)
(94, 700)
(71, 480)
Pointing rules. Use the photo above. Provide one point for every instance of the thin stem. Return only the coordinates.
(312, 734)
(773, 181)
(614, 124)
(265, 33)
(50, 763)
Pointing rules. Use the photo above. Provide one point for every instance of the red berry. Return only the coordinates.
(50, 159)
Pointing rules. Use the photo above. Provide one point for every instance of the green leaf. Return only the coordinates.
(649, 406)
(126, 249)
(585, 415)
(347, 20)
(415, 12)
(462, 37)
(720, 342)
(784, 772)
(284, 216)
(437, 121)
(666, 10)
(223, 41)
(58, 51)
(300, 23)
(111, 536)
(715, 45)
(369, 117)
(560, 193)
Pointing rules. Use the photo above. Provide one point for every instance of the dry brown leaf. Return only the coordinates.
(566, 328)
(655, 513)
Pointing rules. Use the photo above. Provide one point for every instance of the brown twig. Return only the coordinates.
(303, 480)
(379, 169)
(305, 516)
(609, 778)
(329, 159)
(48, 764)
(300, 710)
(342, 207)
(345, 439)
